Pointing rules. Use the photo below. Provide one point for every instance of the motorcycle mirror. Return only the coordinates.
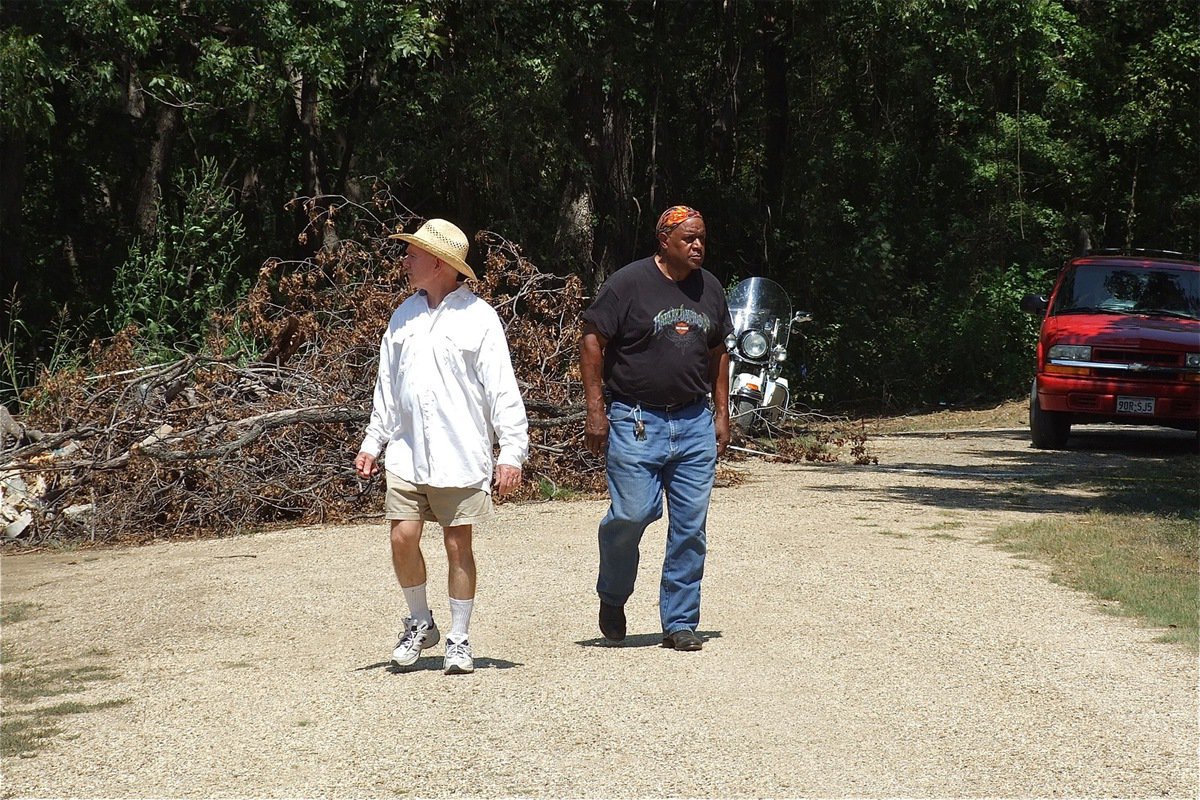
(801, 317)
(1034, 303)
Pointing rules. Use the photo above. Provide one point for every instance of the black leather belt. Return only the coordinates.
(629, 401)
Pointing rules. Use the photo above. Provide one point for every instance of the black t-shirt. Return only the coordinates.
(659, 332)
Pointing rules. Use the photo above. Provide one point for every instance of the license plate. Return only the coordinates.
(1135, 405)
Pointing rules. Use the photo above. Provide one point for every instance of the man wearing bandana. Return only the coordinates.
(652, 353)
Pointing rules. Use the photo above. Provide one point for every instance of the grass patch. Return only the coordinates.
(1021, 492)
(1161, 488)
(549, 490)
(24, 734)
(26, 684)
(1009, 414)
(25, 726)
(72, 707)
(1147, 564)
(16, 611)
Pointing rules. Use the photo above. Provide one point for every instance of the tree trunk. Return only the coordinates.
(776, 33)
(615, 242)
(583, 99)
(721, 135)
(166, 123)
(135, 101)
(575, 239)
(12, 188)
(310, 136)
(660, 28)
(362, 102)
(308, 123)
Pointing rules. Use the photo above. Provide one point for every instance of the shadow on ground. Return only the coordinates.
(641, 640)
(1115, 470)
(434, 664)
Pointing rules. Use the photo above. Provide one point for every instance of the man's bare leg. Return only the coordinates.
(407, 560)
(462, 562)
(409, 564)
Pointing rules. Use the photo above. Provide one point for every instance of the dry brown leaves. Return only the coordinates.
(261, 426)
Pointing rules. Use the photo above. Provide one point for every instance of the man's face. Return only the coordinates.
(420, 266)
(684, 246)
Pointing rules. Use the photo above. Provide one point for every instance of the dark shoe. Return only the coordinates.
(683, 640)
(612, 621)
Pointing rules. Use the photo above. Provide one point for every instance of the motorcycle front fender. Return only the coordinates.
(776, 395)
(747, 385)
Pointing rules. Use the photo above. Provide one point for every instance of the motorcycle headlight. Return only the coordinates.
(730, 342)
(753, 344)
(779, 353)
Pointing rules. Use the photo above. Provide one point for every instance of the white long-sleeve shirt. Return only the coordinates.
(445, 392)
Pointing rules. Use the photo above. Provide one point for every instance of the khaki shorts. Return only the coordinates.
(445, 506)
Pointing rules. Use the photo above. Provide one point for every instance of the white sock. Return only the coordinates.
(460, 618)
(418, 604)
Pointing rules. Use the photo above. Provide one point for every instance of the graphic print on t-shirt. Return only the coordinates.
(679, 322)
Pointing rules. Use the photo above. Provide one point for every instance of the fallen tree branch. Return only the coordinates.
(48, 442)
(558, 422)
(258, 426)
(231, 438)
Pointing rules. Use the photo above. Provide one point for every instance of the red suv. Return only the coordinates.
(1120, 342)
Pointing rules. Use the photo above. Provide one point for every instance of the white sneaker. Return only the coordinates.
(415, 637)
(458, 658)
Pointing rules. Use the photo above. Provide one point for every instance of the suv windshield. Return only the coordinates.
(1097, 288)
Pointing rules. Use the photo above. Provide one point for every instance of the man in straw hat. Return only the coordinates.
(444, 393)
(653, 350)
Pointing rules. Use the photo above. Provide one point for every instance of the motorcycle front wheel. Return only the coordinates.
(743, 414)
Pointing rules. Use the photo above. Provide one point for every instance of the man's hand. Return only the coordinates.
(507, 478)
(595, 433)
(721, 423)
(365, 466)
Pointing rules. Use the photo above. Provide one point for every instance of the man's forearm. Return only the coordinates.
(719, 370)
(591, 372)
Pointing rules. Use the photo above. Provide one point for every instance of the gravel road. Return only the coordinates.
(863, 639)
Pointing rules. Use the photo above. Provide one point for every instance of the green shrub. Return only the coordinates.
(170, 284)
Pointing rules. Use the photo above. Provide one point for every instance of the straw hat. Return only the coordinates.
(442, 239)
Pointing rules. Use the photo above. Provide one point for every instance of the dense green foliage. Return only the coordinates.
(907, 168)
(169, 284)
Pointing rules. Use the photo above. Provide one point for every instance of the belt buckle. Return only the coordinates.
(684, 404)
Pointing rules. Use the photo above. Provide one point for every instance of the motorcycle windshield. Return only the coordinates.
(761, 304)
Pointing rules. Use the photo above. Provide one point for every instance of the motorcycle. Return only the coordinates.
(758, 347)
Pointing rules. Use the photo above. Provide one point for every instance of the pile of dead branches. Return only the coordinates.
(261, 426)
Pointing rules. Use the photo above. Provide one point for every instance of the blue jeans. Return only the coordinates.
(678, 456)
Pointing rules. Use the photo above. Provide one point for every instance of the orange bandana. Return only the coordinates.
(673, 217)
